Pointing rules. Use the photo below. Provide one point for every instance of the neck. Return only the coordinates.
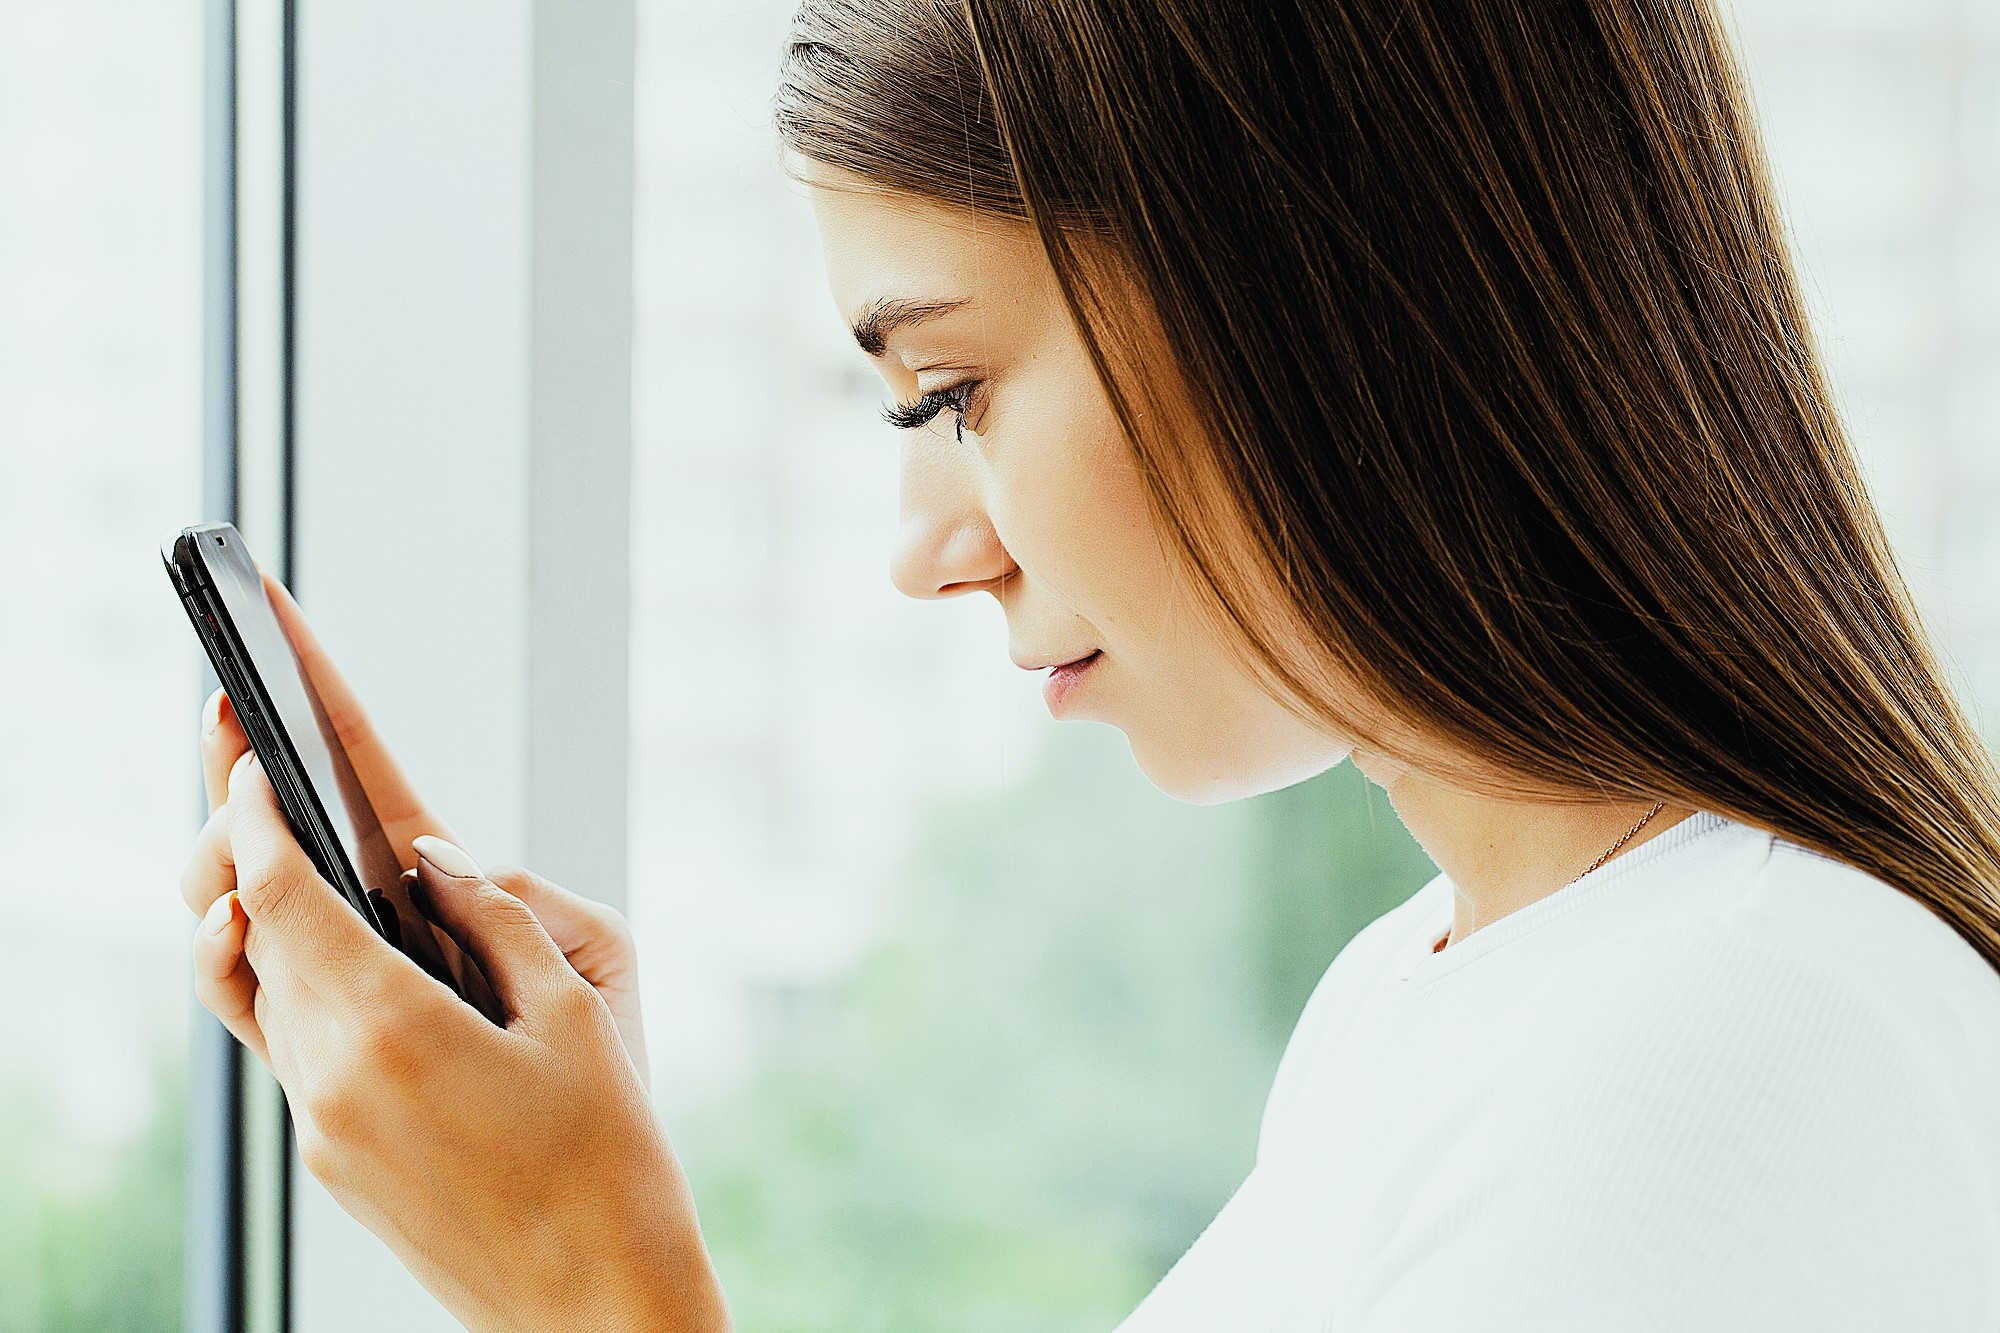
(1502, 854)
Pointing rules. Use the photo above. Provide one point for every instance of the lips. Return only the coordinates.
(1064, 679)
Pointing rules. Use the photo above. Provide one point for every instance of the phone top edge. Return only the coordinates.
(176, 555)
(182, 537)
(191, 554)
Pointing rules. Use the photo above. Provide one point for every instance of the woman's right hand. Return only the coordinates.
(593, 937)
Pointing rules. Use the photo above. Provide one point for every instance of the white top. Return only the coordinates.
(1720, 1083)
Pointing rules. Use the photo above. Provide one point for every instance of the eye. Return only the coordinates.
(909, 416)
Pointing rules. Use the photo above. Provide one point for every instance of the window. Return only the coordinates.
(100, 345)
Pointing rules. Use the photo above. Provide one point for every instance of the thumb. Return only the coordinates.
(525, 968)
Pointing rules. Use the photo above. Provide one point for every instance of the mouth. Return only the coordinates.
(1064, 679)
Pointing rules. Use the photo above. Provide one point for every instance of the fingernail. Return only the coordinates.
(218, 914)
(448, 857)
(212, 714)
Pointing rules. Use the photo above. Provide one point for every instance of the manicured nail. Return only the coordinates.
(219, 913)
(211, 717)
(448, 857)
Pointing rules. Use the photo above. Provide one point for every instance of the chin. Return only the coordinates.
(1199, 775)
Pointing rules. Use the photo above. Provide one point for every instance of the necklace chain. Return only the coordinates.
(1609, 852)
(1612, 850)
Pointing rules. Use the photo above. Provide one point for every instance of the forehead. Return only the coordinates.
(881, 245)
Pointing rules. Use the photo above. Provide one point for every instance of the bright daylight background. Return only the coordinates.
(959, 1025)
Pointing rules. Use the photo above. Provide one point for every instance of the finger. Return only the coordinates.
(211, 870)
(222, 743)
(597, 941)
(469, 981)
(223, 979)
(403, 815)
(407, 930)
(593, 936)
(292, 909)
(291, 1025)
(525, 968)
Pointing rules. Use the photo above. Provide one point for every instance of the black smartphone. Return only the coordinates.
(220, 585)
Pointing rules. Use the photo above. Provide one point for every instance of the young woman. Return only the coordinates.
(1420, 382)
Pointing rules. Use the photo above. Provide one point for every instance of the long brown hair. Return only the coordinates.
(1487, 335)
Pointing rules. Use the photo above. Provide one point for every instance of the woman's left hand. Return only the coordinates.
(520, 1173)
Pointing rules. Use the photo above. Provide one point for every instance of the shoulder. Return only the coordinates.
(1360, 966)
(1820, 1055)
(1369, 956)
(1805, 948)
(1733, 1119)
(1869, 930)
(1726, 1012)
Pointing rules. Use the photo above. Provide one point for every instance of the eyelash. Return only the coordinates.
(909, 416)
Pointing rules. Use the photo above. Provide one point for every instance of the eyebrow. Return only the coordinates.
(885, 317)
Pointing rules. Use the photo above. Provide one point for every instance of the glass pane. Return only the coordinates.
(100, 135)
(959, 1024)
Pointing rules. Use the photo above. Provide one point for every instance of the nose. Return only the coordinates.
(945, 542)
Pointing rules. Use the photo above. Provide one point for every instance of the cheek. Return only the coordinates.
(1069, 506)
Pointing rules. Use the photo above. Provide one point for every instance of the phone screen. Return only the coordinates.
(350, 818)
(342, 823)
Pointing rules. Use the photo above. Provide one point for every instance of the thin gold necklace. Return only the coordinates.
(1612, 850)
(1609, 852)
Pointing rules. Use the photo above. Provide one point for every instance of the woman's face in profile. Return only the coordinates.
(1037, 500)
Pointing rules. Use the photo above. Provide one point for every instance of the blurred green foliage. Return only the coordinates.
(89, 1245)
(1043, 1082)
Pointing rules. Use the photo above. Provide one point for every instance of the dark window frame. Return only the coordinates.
(238, 1252)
